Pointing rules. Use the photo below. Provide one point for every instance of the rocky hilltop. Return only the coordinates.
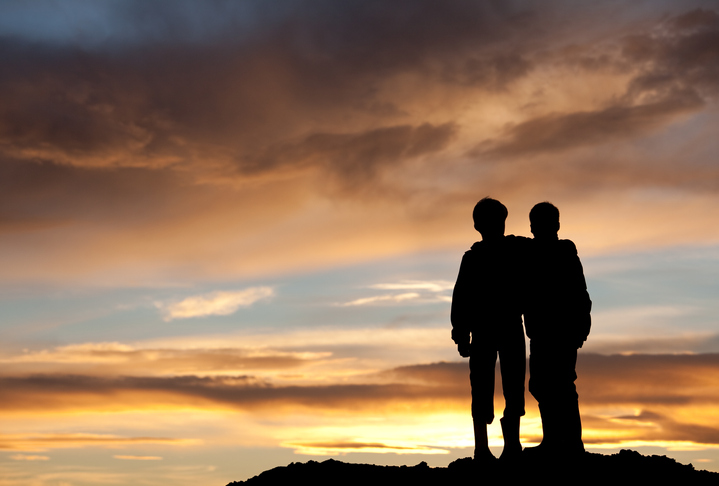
(626, 467)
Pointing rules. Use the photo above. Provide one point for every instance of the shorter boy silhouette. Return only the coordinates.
(485, 308)
(557, 320)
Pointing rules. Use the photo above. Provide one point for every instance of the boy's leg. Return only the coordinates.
(482, 362)
(513, 365)
(539, 378)
(552, 375)
(570, 422)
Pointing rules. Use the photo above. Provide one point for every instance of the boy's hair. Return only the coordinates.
(544, 218)
(488, 214)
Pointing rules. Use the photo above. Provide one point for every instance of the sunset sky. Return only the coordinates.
(229, 231)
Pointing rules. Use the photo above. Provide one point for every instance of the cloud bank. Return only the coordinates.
(658, 399)
(197, 141)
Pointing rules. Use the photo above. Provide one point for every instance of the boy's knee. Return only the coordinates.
(482, 414)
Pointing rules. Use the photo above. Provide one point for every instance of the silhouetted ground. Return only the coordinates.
(626, 467)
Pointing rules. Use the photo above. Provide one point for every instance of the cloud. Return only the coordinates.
(42, 442)
(674, 71)
(236, 89)
(26, 457)
(107, 359)
(681, 52)
(425, 295)
(431, 286)
(138, 458)
(230, 392)
(653, 380)
(383, 299)
(650, 427)
(669, 344)
(355, 131)
(357, 158)
(556, 132)
(604, 380)
(219, 303)
(339, 447)
(657, 399)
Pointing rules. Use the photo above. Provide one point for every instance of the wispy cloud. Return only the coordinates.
(383, 299)
(138, 458)
(26, 457)
(342, 447)
(424, 291)
(113, 359)
(42, 442)
(219, 303)
(428, 285)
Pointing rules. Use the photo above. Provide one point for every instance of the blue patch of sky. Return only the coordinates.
(680, 284)
(94, 24)
(681, 278)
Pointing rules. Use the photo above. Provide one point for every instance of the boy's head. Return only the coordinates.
(489, 217)
(544, 220)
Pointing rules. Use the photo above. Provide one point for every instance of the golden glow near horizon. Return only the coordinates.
(419, 409)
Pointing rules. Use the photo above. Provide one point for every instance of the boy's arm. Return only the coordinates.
(462, 307)
(582, 304)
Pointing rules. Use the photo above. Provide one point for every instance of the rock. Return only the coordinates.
(626, 467)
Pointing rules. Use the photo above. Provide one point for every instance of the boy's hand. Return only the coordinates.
(463, 350)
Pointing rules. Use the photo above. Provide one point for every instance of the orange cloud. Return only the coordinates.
(138, 458)
(108, 359)
(667, 398)
(26, 457)
(42, 442)
(330, 448)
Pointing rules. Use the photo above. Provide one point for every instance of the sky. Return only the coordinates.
(229, 231)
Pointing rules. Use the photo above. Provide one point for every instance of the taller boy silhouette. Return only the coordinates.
(486, 322)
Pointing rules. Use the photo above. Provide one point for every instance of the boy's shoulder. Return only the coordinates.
(560, 246)
(478, 246)
(508, 241)
(567, 246)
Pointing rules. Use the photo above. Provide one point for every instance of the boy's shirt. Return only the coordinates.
(558, 306)
(486, 299)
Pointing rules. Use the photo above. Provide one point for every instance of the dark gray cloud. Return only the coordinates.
(151, 104)
(675, 69)
(176, 118)
(557, 132)
(357, 157)
(247, 85)
(125, 121)
(682, 52)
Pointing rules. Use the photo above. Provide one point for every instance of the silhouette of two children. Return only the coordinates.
(501, 278)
